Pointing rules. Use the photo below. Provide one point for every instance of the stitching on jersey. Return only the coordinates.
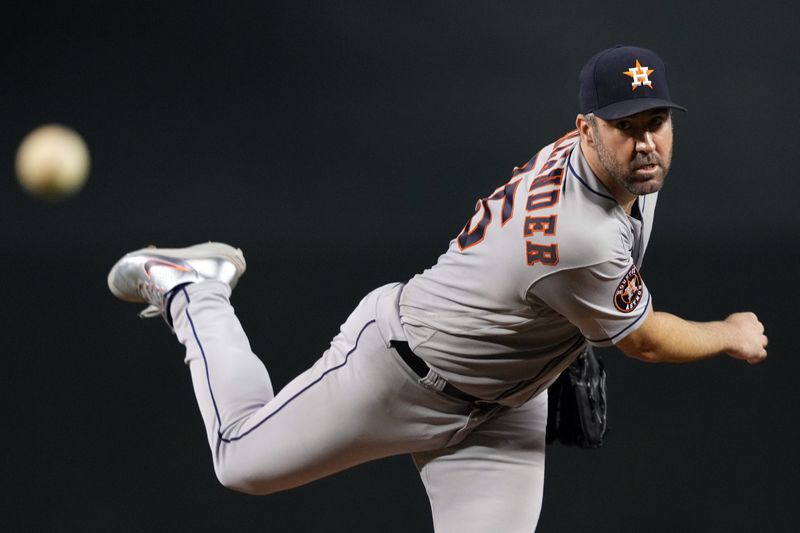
(583, 182)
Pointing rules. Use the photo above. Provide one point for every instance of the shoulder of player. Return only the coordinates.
(569, 222)
(585, 231)
(549, 156)
(591, 239)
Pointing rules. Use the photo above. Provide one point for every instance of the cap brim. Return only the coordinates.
(633, 106)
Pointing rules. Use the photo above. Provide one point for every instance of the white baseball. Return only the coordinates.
(52, 162)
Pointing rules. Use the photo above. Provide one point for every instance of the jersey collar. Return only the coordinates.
(580, 169)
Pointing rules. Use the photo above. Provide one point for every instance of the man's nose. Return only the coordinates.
(645, 142)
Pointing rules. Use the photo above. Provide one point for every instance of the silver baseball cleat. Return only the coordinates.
(147, 275)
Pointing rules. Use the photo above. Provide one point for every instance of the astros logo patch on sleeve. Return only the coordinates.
(629, 291)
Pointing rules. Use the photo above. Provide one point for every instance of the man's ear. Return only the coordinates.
(584, 129)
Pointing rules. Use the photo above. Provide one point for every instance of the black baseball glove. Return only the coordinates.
(576, 410)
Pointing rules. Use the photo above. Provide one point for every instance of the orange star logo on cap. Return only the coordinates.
(640, 76)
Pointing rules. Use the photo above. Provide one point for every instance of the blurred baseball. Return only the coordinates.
(52, 162)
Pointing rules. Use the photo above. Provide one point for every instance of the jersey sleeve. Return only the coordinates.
(606, 301)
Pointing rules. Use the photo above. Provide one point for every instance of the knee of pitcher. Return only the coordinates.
(242, 479)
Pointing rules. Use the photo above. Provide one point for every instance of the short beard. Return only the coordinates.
(624, 174)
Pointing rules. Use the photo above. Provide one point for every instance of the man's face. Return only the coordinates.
(636, 151)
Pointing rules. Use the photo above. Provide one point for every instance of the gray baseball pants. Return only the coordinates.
(482, 465)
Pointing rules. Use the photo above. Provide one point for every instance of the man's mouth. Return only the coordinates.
(647, 168)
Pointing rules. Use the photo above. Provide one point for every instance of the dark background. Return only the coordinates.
(342, 145)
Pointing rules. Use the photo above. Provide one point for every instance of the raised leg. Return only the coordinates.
(356, 403)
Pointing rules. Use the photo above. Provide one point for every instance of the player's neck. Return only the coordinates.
(623, 197)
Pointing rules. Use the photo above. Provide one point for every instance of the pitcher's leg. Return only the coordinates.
(216, 344)
(355, 404)
(493, 480)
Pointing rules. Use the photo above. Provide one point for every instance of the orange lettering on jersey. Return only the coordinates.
(552, 178)
(527, 166)
(543, 225)
(544, 192)
(470, 236)
(557, 158)
(506, 193)
(559, 144)
(556, 154)
(538, 253)
(550, 163)
(542, 200)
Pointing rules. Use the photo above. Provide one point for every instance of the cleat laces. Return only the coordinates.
(152, 294)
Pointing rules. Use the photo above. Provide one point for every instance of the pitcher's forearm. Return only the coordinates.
(666, 338)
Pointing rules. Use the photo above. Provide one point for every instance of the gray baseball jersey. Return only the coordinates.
(548, 261)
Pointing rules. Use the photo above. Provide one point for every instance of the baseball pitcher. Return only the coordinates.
(452, 366)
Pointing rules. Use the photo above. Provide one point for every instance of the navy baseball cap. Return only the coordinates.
(622, 81)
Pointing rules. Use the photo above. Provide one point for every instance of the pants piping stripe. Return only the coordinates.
(287, 402)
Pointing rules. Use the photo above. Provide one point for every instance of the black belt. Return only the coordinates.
(421, 369)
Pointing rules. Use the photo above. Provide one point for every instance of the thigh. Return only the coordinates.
(493, 479)
(357, 403)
